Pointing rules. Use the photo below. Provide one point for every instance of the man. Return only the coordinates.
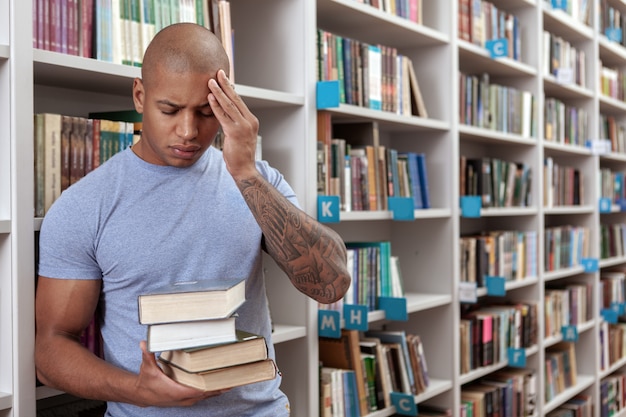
(173, 208)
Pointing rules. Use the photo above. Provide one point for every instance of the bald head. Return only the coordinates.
(183, 48)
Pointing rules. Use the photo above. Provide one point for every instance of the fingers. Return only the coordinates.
(224, 100)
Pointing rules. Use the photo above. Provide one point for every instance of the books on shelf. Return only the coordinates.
(192, 300)
(246, 347)
(185, 334)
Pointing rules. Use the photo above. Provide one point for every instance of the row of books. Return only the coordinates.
(383, 361)
(579, 10)
(496, 107)
(565, 246)
(612, 240)
(192, 327)
(564, 123)
(614, 131)
(611, 18)
(372, 76)
(581, 405)
(352, 164)
(612, 286)
(407, 9)
(560, 369)
(612, 343)
(612, 82)
(119, 31)
(498, 182)
(569, 305)
(488, 331)
(564, 60)
(562, 185)
(509, 392)
(612, 394)
(612, 185)
(67, 148)
(480, 21)
(508, 254)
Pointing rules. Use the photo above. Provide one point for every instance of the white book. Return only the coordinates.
(189, 334)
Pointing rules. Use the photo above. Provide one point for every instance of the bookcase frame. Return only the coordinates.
(275, 73)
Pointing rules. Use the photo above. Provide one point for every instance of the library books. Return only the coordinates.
(247, 347)
(192, 300)
(188, 334)
(223, 378)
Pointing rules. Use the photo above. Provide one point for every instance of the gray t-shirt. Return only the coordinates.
(136, 226)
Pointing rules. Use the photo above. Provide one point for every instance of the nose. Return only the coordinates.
(186, 127)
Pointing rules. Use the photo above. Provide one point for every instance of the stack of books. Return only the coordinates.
(192, 325)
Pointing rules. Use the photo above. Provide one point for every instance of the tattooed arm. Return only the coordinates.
(311, 254)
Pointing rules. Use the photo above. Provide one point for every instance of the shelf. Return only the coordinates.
(284, 333)
(44, 391)
(5, 52)
(480, 372)
(611, 53)
(477, 60)
(481, 135)
(552, 87)
(560, 23)
(562, 210)
(508, 211)
(562, 273)
(582, 383)
(553, 340)
(510, 285)
(414, 303)
(388, 215)
(5, 226)
(614, 367)
(611, 105)
(605, 263)
(358, 19)
(6, 401)
(566, 149)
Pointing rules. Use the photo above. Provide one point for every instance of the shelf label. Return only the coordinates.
(559, 5)
(590, 265)
(471, 205)
(496, 286)
(329, 323)
(621, 202)
(609, 315)
(394, 307)
(404, 403)
(618, 307)
(564, 76)
(328, 208)
(498, 48)
(614, 34)
(605, 205)
(599, 146)
(355, 317)
(569, 333)
(327, 94)
(516, 357)
(468, 292)
(402, 208)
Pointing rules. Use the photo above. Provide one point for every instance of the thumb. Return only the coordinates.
(147, 357)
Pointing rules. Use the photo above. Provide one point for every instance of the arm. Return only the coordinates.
(63, 309)
(312, 255)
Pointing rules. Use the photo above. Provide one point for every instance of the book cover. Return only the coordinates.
(223, 378)
(247, 347)
(192, 300)
(189, 334)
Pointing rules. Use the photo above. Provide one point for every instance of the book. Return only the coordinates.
(223, 378)
(247, 347)
(190, 334)
(192, 300)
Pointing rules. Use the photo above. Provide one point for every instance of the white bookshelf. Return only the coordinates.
(275, 74)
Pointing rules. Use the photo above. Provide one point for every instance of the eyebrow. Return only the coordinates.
(178, 106)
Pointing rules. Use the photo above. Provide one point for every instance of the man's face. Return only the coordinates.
(178, 123)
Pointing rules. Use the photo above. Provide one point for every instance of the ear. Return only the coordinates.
(138, 95)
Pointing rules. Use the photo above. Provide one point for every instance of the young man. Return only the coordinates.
(173, 208)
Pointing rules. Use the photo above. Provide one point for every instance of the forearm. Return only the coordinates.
(312, 255)
(63, 363)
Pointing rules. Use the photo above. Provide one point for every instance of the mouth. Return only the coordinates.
(185, 152)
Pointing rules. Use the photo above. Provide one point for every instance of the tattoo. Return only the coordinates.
(312, 256)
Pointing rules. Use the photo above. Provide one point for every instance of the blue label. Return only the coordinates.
(394, 308)
(559, 4)
(614, 34)
(329, 323)
(471, 205)
(402, 208)
(609, 315)
(327, 94)
(498, 48)
(618, 308)
(328, 208)
(605, 205)
(569, 333)
(355, 317)
(622, 204)
(516, 357)
(590, 265)
(404, 403)
(496, 286)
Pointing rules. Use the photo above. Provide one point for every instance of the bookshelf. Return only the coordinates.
(276, 76)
